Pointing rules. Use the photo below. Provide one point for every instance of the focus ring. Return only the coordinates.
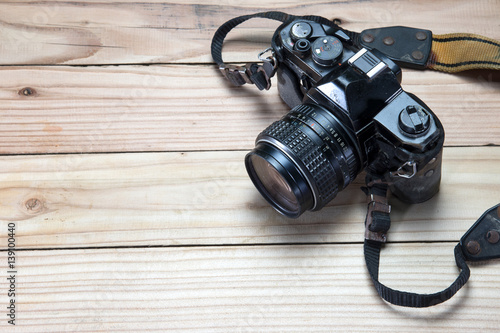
(307, 151)
(351, 161)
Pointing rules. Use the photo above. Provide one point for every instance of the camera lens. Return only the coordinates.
(300, 162)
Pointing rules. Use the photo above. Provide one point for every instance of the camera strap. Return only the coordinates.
(377, 225)
(408, 47)
(480, 242)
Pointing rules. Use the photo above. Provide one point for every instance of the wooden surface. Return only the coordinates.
(122, 169)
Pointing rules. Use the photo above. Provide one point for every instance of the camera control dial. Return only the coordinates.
(300, 30)
(325, 50)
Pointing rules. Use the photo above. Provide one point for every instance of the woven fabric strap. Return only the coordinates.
(377, 225)
(458, 52)
(414, 300)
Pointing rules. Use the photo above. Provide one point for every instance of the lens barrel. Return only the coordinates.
(301, 161)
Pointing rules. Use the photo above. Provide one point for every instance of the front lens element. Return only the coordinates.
(274, 184)
(279, 182)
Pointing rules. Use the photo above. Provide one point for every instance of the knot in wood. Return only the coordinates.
(33, 205)
(27, 91)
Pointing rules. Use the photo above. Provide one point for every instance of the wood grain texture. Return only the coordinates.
(206, 198)
(185, 108)
(124, 32)
(155, 226)
(314, 288)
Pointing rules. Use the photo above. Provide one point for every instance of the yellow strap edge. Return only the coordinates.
(458, 52)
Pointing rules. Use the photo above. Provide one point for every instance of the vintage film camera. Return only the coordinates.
(349, 113)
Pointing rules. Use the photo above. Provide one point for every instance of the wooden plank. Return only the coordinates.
(207, 198)
(182, 108)
(315, 288)
(97, 32)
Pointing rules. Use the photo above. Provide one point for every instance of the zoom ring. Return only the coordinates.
(310, 156)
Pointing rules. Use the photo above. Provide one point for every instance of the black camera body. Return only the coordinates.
(349, 113)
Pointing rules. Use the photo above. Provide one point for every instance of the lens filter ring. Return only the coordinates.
(278, 181)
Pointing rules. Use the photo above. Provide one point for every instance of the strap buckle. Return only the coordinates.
(377, 218)
(237, 75)
(260, 75)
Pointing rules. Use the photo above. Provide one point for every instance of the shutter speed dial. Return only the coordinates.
(325, 50)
